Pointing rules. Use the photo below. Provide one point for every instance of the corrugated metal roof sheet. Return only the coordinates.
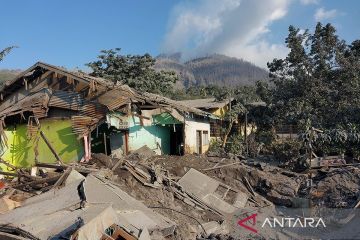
(207, 103)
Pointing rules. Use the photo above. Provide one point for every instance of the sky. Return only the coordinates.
(70, 33)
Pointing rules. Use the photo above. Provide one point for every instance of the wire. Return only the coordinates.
(182, 214)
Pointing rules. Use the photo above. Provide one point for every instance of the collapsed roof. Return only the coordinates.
(206, 103)
(43, 86)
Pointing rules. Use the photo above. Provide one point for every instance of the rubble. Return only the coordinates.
(211, 192)
(336, 187)
(160, 196)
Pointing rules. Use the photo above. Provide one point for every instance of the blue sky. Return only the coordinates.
(71, 33)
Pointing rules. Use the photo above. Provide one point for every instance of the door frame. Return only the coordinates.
(199, 141)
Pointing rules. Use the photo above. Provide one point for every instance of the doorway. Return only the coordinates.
(177, 140)
(198, 142)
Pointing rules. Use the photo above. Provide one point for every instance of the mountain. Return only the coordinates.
(213, 69)
(6, 74)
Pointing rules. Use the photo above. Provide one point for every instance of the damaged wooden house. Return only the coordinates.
(164, 125)
(50, 114)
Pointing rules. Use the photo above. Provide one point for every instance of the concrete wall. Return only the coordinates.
(191, 126)
(159, 135)
(21, 151)
(152, 135)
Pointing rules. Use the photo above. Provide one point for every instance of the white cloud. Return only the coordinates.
(322, 14)
(309, 2)
(237, 28)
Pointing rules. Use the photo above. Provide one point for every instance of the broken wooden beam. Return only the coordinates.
(50, 147)
(48, 180)
(117, 164)
(79, 168)
(248, 186)
(7, 164)
(226, 165)
(63, 177)
(50, 165)
(9, 174)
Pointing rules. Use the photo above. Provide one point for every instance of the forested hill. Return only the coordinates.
(213, 69)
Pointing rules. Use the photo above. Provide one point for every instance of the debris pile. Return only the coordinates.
(145, 196)
(336, 187)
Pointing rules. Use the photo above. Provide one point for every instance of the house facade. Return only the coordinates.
(214, 107)
(163, 125)
(49, 114)
(219, 109)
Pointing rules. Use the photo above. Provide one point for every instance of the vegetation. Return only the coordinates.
(236, 144)
(6, 74)
(343, 140)
(319, 80)
(285, 151)
(137, 71)
(5, 51)
(317, 85)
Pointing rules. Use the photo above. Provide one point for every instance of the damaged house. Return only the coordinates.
(220, 108)
(164, 125)
(50, 114)
(217, 108)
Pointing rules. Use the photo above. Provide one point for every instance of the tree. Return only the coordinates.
(317, 81)
(317, 85)
(231, 117)
(134, 70)
(5, 51)
(243, 95)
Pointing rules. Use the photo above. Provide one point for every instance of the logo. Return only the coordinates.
(243, 222)
(287, 222)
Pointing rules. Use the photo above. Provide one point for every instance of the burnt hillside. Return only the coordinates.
(213, 69)
(6, 74)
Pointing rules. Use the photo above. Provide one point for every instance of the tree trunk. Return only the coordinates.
(227, 132)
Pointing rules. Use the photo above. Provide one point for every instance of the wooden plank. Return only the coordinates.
(8, 174)
(248, 186)
(50, 165)
(105, 145)
(36, 182)
(50, 147)
(62, 178)
(7, 164)
(222, 166)
(117, 164)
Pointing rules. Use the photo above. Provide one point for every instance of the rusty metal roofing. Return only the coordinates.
(75, 75)
(66, 100)
(164, 101)
(113, 96)
(206, 103)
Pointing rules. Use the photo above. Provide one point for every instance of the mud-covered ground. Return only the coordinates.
(274, 186)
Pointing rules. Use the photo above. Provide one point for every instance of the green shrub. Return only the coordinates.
(265, 136)
(215, 145)
(288, 150)
(235, 144)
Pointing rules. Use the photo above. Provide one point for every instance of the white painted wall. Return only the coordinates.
(191, 126)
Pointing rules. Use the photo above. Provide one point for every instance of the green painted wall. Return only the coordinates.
(20, 150)
(149, 135)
